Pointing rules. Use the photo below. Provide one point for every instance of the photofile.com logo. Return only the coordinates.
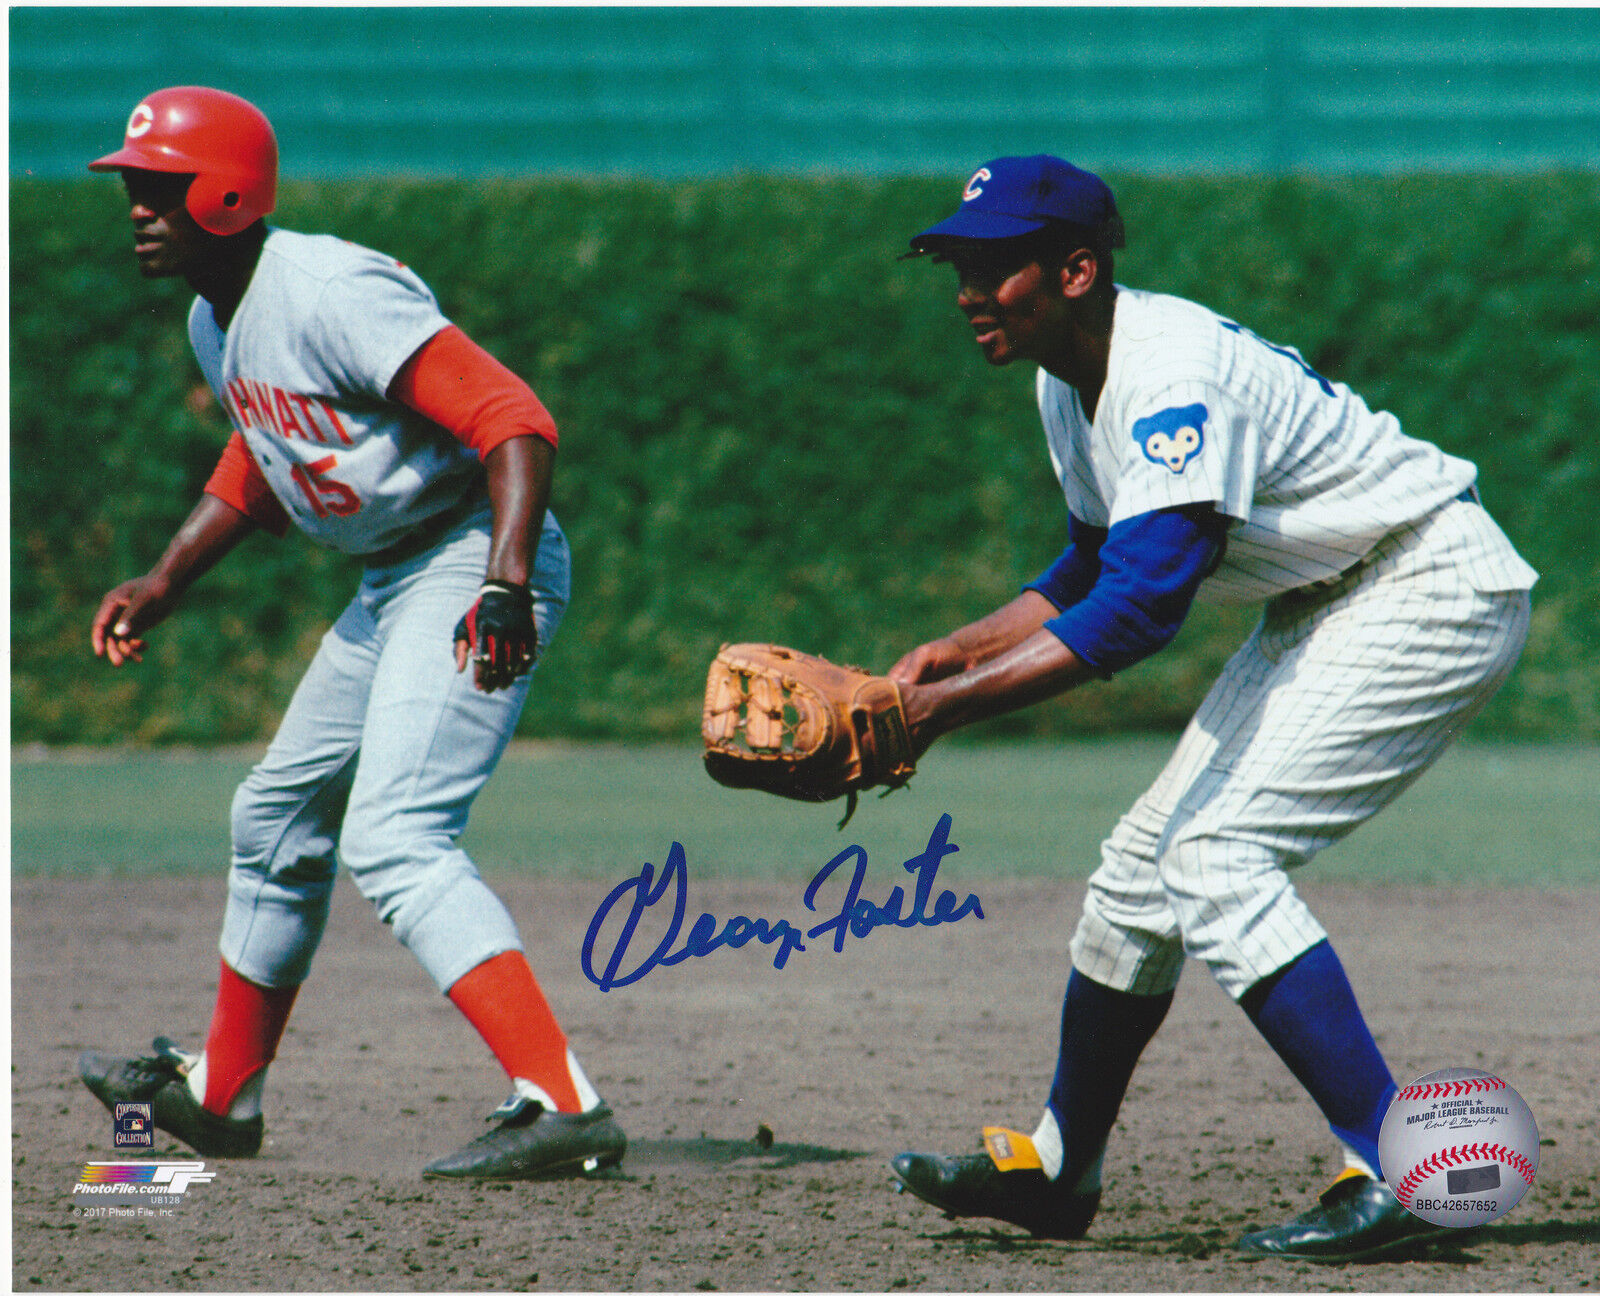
(142, 1177)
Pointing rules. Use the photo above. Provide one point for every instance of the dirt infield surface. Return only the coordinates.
(905, 1039)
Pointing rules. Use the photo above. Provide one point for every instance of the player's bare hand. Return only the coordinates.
(124, 614)
(937, 660)
(498, 636)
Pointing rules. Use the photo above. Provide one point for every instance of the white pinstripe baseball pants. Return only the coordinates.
(1330, 710)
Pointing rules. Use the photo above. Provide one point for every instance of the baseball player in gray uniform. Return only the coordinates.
(1201, 461)
(364, 417)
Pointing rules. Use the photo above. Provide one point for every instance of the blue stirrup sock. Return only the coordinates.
(1308, 1013)
(1103, 1032)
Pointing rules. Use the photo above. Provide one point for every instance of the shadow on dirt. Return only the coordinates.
(1532, 1234)
(707, 1155)
(1205, 1244)
(1194, 1245)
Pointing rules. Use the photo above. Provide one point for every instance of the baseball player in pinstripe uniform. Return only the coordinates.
(1201, 461)
(364, 417)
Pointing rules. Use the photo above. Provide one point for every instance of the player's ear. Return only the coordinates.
(1079, 271)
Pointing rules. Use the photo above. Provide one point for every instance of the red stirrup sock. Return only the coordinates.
(246, 1026)
(504, 1003)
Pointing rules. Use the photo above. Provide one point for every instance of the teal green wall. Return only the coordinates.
(669, 92)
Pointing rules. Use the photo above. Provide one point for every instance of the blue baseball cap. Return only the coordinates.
(1013, 196)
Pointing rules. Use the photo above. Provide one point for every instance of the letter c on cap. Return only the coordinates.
(141, 121)
(973, 188)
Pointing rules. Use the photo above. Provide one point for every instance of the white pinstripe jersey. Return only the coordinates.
(1197, 409)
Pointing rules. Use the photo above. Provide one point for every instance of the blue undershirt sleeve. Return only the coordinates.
(1148, 569)
(1072, 576)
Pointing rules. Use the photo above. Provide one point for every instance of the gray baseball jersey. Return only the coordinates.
(303, 371)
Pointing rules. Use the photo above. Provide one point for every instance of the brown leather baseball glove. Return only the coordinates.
(799, 726)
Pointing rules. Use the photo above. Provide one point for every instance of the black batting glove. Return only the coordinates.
(498, 635)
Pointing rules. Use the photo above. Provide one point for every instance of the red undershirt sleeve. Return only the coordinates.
(454, 382)
(237, 481)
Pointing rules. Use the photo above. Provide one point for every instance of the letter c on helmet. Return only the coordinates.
(224, 141)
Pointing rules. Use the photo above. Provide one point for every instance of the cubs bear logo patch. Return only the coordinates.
(1173, 437)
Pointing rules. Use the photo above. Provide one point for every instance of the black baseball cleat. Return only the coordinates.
(159, 1080)
(1357, 1218)
(531, 1142)
(977, 1185)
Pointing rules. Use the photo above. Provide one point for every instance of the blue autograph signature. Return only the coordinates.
(856, 916)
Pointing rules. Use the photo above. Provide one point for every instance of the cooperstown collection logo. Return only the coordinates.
(148, 1178)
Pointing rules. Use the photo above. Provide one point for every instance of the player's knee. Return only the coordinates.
(1197, 863)
(1201, 884)
(257, 826)
(420, 888)
(245, 817)
(371, 864)
(1143, 954)
(370, 842)
(390, 862)
(275, 836)
(1207, 867)
(1120, 897)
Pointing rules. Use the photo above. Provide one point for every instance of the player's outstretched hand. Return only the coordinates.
(125, 614)
(937, 660)
(498, 636)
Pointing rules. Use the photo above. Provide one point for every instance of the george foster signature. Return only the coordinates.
(856, 915)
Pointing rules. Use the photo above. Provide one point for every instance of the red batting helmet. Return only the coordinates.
(226, 142)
